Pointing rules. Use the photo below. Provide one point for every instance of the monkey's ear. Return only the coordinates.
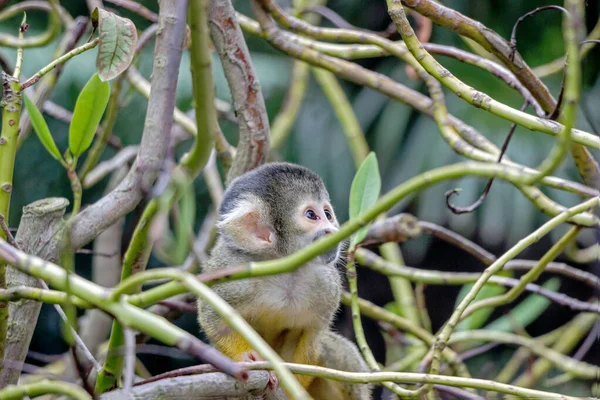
(246, 225)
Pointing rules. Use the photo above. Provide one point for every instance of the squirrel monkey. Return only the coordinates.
(268, 213)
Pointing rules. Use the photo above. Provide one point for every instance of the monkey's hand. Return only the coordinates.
(253, 356)
(233, 345)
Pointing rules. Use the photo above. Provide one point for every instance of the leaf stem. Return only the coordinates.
(60, 60)
(75, 187)
(22, 30)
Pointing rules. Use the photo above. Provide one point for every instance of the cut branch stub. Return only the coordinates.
(118, 39)
(399, 228)
(39, 232)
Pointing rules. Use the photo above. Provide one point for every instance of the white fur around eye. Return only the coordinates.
(305, 224)
(299, 216)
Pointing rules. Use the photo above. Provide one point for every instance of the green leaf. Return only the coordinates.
(88, 112)
(118, 38)
(41, 128)
(526, 311)
(365, 190)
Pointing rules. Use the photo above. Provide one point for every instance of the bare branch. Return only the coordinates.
(104, 168)
(136, 8)
(501, 48)
(211, 385)
(249, 105)
(159, 118)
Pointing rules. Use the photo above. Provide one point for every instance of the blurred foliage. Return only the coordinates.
(405, 142)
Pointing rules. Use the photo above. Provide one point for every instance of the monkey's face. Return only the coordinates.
(276, 210)
(316, 219)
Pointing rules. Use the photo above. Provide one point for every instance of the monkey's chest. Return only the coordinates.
(304, 298)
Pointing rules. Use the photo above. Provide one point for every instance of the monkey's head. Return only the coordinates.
(275, 210)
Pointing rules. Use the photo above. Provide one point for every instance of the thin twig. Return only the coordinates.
(488, 258)
(96, 254)
(499, 47)
(129, 370)
(179, 306)
(83, 375)
(446, 331)
(589, 341)
(136, 8)
(123, 158)
(373, 261)
(361, 378)
(340, 22)
(513, 35)
(60, 60)
(89, 357)
(488, 186)
(357, 74)
(558, 64)
(9, 237)
(457, 392)
(146, 37)
(139, 319)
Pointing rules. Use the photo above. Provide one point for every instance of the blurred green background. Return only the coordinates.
(406, 143)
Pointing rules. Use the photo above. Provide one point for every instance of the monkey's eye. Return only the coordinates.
(310, 214)
(328, 215)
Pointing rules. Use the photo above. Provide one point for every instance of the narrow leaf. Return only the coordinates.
(88, 112)
(365, 190)
(118, 38)
(41, 128)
